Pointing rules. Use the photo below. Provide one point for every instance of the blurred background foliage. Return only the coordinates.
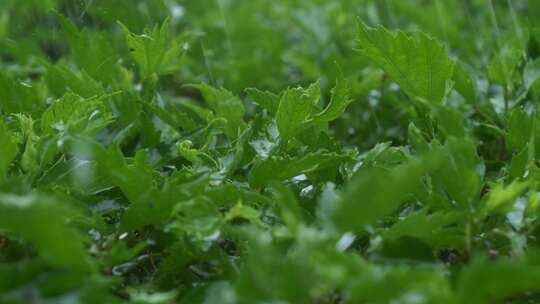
(272, 44)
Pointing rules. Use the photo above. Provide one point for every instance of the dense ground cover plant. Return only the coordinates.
(257, 151)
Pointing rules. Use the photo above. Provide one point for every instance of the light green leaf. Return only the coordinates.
(419, 64)
(241, 211)
(340, 100)
(501, 197)
(225, 105)
(29, 161)
(193, 155)
(76, 114)
(153, 51)
(296, 107)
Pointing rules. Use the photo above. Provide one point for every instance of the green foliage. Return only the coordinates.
(9, 149)
(419, 64)
(226, 106)
(295, 109)
(152, 50)
(29, 215)
(376, 192)
(250, 152)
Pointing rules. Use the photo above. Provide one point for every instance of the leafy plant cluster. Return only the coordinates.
(257, 151)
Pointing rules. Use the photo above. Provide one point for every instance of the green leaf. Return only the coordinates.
(340, 100)
(195, 156)
(241, 211)
(436, 229)
(280, 168)
(389, 284)
(501, 197)
(72, 113)
(499, 279)
(503, 67)
(61, 79)
(238, 155)
(29, 161)
(518, 167)
(44, 221)
(267, 100)
(225, 105)
(17, 96)
(417, 138)
(149, 203)
(9, 149)
(520, 138)
(198, 217)
(460, 175)
(94, 54)
(290, 210)
(451, 121)
(376, 192)
(296, 107)
(173, 115)
(520, 129)
(153, 51)
(419, 64)
(531, 73)
(464, 83)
